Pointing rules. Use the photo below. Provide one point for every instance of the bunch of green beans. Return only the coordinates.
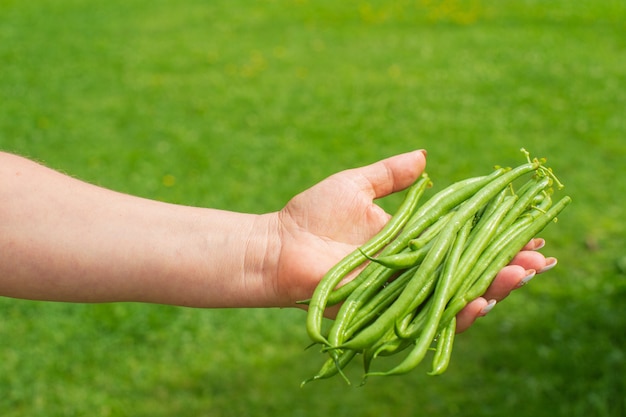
(425, 265)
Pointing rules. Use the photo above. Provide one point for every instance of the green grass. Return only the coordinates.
(240, 105)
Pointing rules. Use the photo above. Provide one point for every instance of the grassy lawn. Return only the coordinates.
(240, 105)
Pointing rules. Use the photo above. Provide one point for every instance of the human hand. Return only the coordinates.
(321, 225)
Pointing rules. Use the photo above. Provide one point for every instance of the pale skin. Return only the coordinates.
(62, 239)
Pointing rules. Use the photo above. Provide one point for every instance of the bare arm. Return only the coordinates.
(62, 239)
(65, 240)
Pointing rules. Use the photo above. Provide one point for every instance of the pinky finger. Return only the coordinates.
(472, 311)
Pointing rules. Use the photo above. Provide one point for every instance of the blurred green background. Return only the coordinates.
(240, 105)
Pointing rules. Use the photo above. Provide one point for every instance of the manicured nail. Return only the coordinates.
(486, 309)
(551, 263)
(539, 243)
(530, 274)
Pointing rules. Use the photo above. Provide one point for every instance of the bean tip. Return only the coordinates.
(306, 381)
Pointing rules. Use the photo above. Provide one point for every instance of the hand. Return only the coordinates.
(321, 225)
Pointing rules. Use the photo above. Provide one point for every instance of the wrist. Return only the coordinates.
(261, 263)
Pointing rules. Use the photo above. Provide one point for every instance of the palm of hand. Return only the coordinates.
(319, 227)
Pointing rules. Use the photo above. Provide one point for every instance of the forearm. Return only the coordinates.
(62, 239)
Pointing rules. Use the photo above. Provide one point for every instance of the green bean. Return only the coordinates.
(525, 187)
(387, 345)
(436, 309)
(406, 300)
(364, 337)
(495, 246)
(362, 295)
(502, 258)
(430, 212)
(413, 282)
(508, 253)
(332, 367)
(436, 206)
(402, 260)
(501, 240)
(492, 205)
(354, 302)
(333, 277)
(443, 353)
(479, 238)
(379, 302)
(370, 353)
(392, 346)
(431, 232)
(486, 227)
(533, 187)
(450, 197)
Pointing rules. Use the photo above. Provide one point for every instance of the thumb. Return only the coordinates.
(391, 174)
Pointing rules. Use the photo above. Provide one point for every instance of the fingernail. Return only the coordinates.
(530, 274)
(486, 309)
(423, 151)
(551, 263)
(539, 243)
